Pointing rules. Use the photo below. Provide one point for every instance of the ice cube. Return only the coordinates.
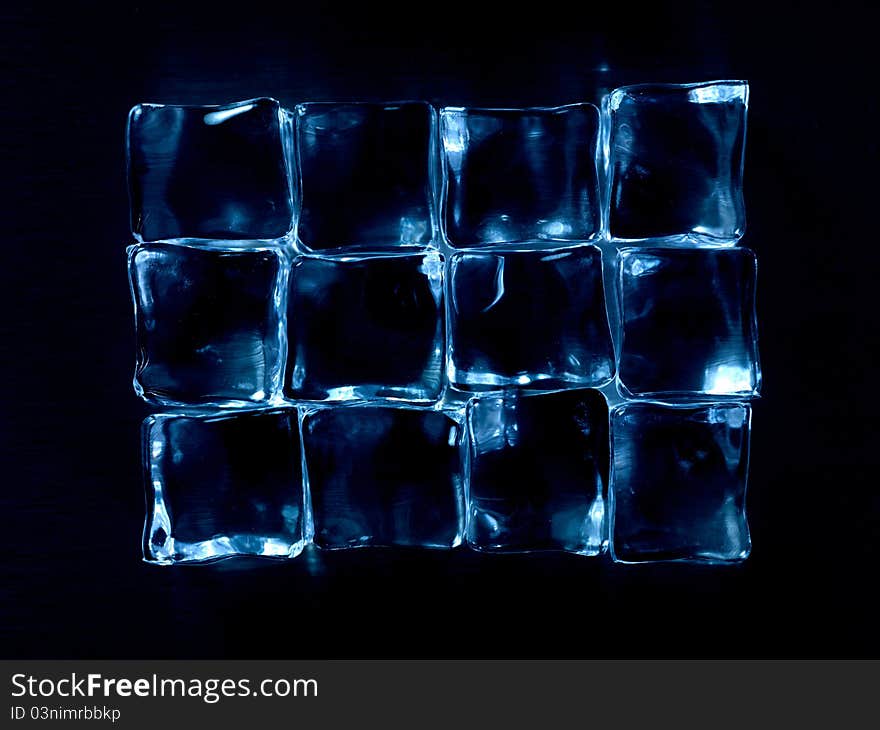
(678, 483)
(689, 324)
(539, 469)
(517, 175)
(209, 329)
(215, 172)
(528, 318)
(367, 175)
(220, 485)
(676, 157)
(381, 475)
(366, 327)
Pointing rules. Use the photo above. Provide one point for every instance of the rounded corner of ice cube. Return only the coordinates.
(620, 558)
(577, 106)
(150, 423)
(136, 385)
(612, 100)
(619, 410)
(746, 252)
(135, 113)
(470, 406)
(156, 551)
(133, 249)
(624, 252)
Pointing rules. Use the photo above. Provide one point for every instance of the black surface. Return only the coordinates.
(71, 584)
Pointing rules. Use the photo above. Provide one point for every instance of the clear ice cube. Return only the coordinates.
(367, 175)
(215, 172)
(516, 175)
(220, 485)
(385, 476)
(528, 318)
(208, 323)
(678, 484)
(676, 157)
(539, 468)
(364, 328)
(689, 323)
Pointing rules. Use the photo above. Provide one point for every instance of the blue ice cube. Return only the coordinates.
(385, 476)
(678, 484)
(676, 161)
(517, 175)
(539, 468)
(209, 327)
(528, 318)
(220, 485)
(367, 175)
(215, 172)
(689, 324)
(364, 328)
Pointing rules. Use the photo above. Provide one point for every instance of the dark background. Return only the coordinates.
(71, 581)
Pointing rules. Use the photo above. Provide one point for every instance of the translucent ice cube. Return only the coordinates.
(528, 318)
(363, 328)
(209, 329)
(539, 467)
(385, 476)
(223, 485)
(215, 172)
(515, 175)
(678, 482)
(689, 325)
(676, 157)
(367, 175)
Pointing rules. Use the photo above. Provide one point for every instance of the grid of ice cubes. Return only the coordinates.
(391, 324)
